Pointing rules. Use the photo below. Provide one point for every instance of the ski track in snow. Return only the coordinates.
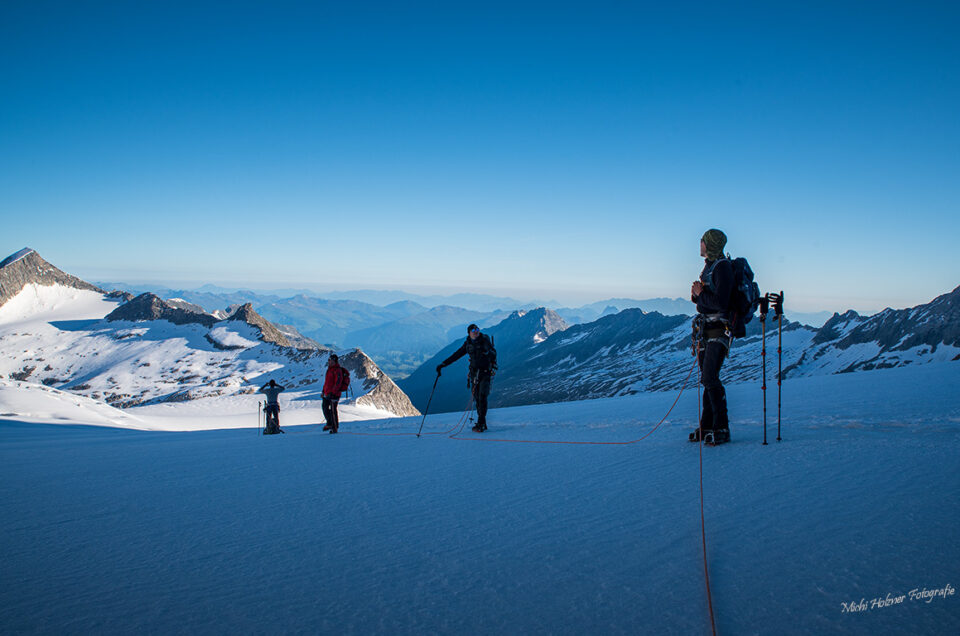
(110, 530)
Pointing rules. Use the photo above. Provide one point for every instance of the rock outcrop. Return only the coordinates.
(151, 307)
(179, 303)
(382, 393)
(268, 333)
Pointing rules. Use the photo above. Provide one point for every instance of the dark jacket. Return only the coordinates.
(332, 381)
(272, 393)
(717, 279)
(483, 356)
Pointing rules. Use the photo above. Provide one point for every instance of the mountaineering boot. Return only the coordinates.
(697, 435)
(327, 426)
(717, 437)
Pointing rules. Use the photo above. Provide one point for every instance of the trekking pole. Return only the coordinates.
(695, 349)
(764, 307)
(259, 406)
(426, 410)
(778, 308)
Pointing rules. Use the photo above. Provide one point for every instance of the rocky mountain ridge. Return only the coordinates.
(633, 351)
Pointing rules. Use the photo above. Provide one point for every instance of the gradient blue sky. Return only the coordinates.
(560, 150)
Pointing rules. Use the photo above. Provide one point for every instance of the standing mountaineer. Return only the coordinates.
(483, 366)
(272, 410)
(712, 294)
(334, 383)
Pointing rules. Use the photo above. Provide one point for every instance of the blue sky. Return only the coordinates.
(574, 151)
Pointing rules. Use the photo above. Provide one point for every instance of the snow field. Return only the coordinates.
(224, 531)
(35, 403)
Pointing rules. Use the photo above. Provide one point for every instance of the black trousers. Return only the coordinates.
(329, 407)
(714, 414)
(481, 391)
(272, 413)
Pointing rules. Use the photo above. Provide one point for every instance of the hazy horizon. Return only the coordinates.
(523, 297)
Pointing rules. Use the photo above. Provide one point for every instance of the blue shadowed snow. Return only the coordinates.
(113, 531)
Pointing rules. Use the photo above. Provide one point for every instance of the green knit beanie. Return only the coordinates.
(715, 241)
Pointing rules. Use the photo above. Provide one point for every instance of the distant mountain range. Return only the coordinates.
(400, 335)
(409, 329)
(483, 303)
(593, 311)
(544, 357)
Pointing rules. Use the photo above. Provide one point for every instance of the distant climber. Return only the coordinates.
(712, 294)
(335, 382)
(483, 366)
(272, 410)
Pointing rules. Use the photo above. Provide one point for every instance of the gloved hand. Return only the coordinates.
(493, 371)
(439, 366)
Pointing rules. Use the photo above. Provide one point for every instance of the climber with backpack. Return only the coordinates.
(726, 299)
(272, 410)
(335, 382)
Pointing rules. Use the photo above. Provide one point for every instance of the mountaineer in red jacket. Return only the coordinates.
(336, 381)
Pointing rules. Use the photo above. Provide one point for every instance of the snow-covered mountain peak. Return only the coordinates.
(548, 321)
(27, 267)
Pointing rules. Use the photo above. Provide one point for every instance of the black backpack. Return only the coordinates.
(745, 298)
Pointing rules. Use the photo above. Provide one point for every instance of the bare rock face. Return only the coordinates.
(26, 267)
(179, 303)
(151, 307)
(268, 333)
(122, 295)
(383, 393)
(298, 340)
